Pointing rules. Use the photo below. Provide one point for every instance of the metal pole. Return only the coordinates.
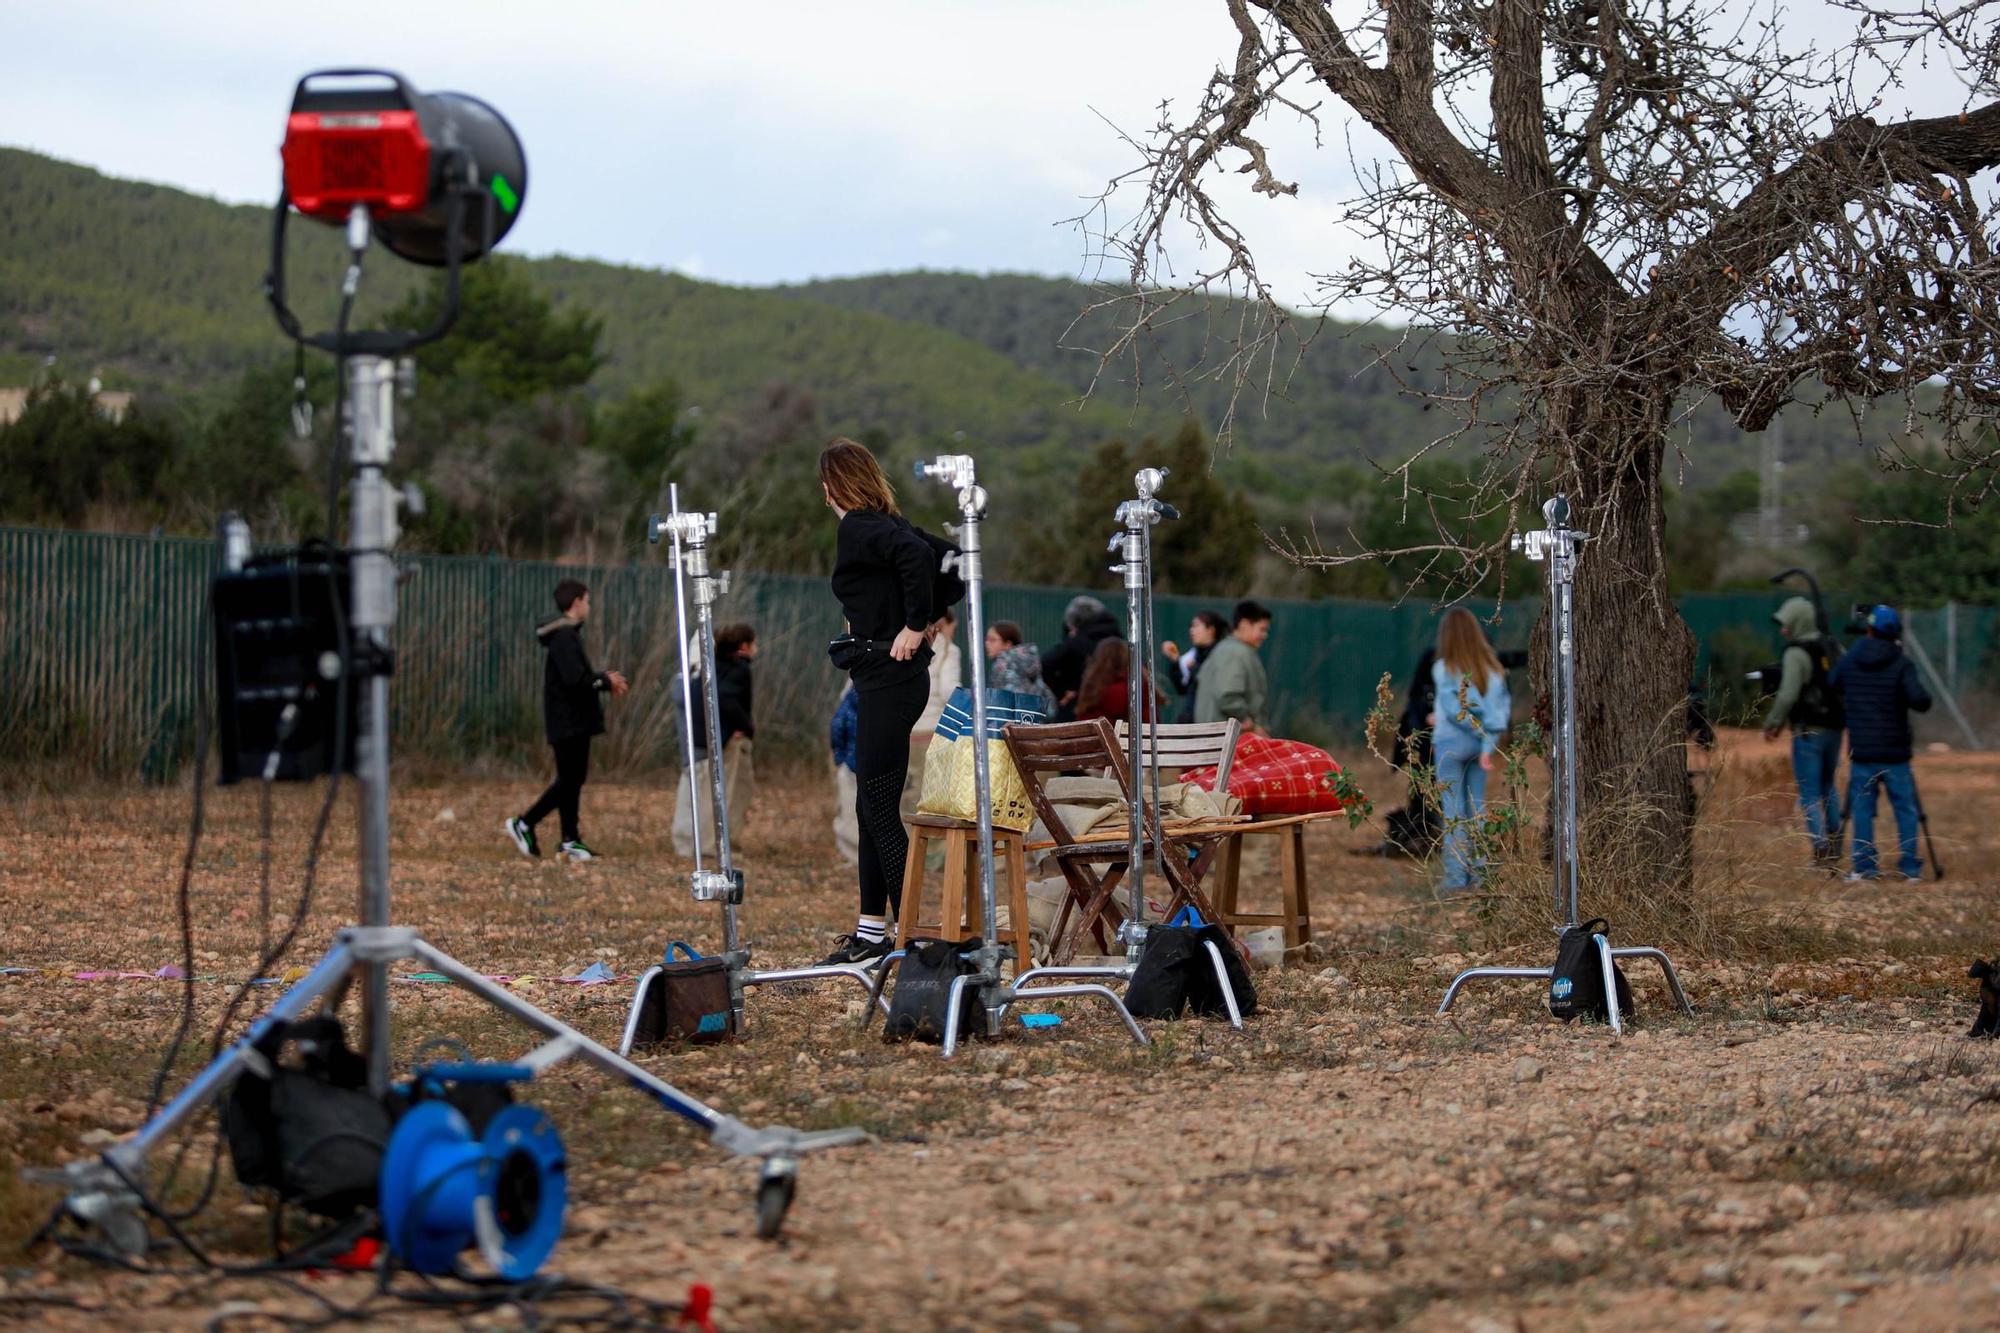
(704, 610)
(680, 629)
(372, 618)
(1134, 568)
(972, 509)
(1561, 567)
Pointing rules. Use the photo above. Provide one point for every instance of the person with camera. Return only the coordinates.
(883, 572)
(572, 713)
(1807, 700)
(1879, 689)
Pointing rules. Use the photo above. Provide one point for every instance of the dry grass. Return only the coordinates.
(1349, 1161)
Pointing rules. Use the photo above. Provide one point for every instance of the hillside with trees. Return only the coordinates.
(574, 391)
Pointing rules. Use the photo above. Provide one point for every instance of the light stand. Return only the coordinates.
(1560, 547)
(1134, 546)
(108, 1192)
(689, 535)
(990, 991)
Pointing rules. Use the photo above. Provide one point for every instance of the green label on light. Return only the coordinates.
(505, 193)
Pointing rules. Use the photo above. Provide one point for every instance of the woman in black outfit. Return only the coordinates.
(882, 573)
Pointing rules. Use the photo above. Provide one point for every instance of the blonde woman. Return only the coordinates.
(1473, 707)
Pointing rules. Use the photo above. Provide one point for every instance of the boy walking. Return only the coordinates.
(1880, 688)
(571, 714)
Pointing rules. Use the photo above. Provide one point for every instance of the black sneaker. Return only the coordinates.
(523, 835)
(853, 951)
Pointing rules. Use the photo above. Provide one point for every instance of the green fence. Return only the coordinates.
(98, 635)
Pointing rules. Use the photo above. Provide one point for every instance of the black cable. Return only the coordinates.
(349, 286)
(184, 905)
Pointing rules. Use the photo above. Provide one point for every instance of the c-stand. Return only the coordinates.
(689, 536)
(988, 989)
(1561, 546)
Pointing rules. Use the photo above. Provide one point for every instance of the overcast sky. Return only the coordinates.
(759, 143)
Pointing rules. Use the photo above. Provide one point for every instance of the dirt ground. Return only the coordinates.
(1814, 1148)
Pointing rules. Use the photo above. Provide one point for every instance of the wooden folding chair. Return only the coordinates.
(1093, 868)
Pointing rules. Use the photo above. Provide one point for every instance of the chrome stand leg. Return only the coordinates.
(1610, 974)
(1222, 981)
(1478, 973)
(1666, 966)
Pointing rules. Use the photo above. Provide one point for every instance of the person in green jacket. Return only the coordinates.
(1805, 700)
(1233, 683)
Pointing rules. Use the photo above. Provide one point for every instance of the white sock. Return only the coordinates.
(873, 929)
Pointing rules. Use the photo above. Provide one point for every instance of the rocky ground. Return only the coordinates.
(1813, 1148)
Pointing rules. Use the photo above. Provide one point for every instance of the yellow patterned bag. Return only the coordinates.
(949, 788)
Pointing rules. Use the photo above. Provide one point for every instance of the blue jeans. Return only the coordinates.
(1815, 756)
(1862, 780)
(1461, 799)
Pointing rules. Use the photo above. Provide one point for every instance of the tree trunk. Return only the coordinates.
(1634, 662)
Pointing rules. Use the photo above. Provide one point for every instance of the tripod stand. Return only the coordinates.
(1560, 546)
(109, 1192)
(985, 985)
(689, 535)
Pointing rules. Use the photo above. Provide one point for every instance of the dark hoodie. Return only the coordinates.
(1063, 665)
(570, 685)
(1881, 689)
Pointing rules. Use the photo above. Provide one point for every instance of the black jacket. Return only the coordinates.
(570, 685)
(1880, 689)
(883, 571)
(733, 690)
(1063, 665)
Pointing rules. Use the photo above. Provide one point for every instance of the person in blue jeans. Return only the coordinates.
(1473, 708)
(1807, 700)
(1880, 688)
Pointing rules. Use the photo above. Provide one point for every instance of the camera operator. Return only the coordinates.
(1807, 700)
(1880, 689)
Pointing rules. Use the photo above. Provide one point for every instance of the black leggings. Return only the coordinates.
(572, 771)
(881, 762)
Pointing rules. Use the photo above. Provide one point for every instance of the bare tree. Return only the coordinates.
(1603, 211)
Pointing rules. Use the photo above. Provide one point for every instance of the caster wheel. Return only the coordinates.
(774, 1200)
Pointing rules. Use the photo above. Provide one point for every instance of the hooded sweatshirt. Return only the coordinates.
(1801, 627)
(1063, 665)
(1881, 689)
(571, 707)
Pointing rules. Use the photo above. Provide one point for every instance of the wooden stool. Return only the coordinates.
(1295, 908)
(959, 916)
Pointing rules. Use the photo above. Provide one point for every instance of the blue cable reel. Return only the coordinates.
(445, 1190)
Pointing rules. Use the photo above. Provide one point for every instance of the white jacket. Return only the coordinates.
(946, 676)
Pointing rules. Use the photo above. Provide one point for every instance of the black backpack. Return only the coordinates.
(1576, 983)
(1818, 705)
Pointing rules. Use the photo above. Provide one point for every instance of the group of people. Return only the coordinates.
(1868, 694)
(903, 663)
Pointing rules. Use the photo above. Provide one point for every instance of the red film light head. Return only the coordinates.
(366, 137)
